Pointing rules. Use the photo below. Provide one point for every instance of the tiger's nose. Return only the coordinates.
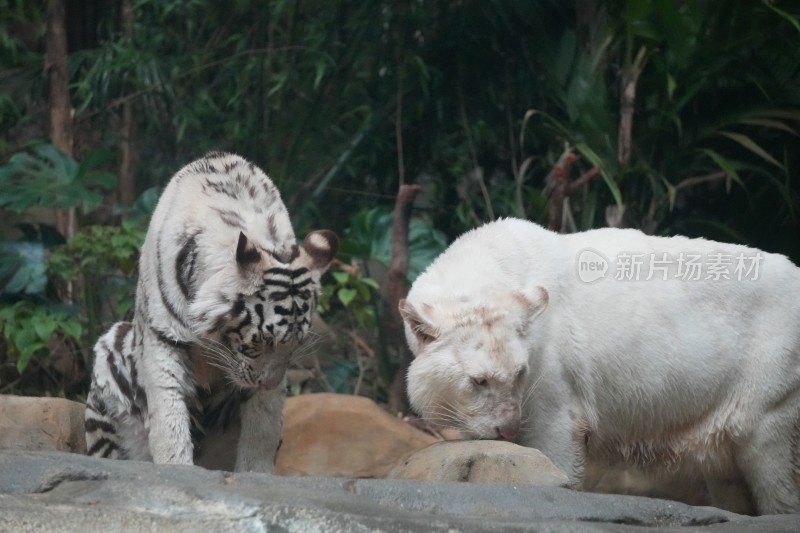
(508, 433)
(509, 418)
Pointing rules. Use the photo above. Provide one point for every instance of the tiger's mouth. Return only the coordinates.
(270, 379)
(269, 384)
(265, 384)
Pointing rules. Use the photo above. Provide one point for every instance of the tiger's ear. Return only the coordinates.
(321, 246)
(248, 256)
(423, 330)
(533, 300)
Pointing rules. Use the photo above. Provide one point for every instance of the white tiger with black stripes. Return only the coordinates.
(225, 296)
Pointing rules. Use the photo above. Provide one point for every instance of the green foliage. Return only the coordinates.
(22, 268)
(103, 259)
(44, 177)
(142, 209)
(710, 108)
(93, 272)
(353, 291)
(369, 236)
(99, 248)
(98, 263)
(341, 101)
(28, 329)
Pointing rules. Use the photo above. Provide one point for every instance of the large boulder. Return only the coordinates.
(28, 423)
(481, 461)
(337, 435)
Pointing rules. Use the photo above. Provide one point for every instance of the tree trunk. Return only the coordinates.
(127, 134)
(397, 289)
(60, 106)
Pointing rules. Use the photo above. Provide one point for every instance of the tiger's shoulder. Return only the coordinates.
(219, 195)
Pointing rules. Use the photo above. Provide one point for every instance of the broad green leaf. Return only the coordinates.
(341, 277)
(346, 295)
(43, 324)
(8, 312)
(26, 354)
(124, 305)
(328, 290)
(24, 337)
(363, 292)
(371, 282)
(72, 328)
(103, 179)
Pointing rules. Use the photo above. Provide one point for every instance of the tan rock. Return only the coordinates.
(481, 461)
(324, 434)
(338, 435)
(28, 423)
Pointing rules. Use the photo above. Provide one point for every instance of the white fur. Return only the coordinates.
(696, 377)
(183, 209)
(222, 206)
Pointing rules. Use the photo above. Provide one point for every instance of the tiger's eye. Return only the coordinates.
(480, 382)
(251, 354)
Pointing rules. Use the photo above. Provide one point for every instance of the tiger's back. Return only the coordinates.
(199, 218)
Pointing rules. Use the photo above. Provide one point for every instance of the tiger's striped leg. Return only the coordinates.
(262, 428)
(116, 407)
(102, 439)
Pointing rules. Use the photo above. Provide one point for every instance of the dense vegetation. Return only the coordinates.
(688, 110)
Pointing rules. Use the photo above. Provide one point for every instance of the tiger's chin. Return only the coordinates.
(495, 433)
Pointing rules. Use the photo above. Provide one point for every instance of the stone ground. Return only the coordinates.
(434, 486)
(61, 492)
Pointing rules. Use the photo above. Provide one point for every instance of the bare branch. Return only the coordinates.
(398, 288)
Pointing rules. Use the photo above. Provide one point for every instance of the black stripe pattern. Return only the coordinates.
(115, 392)
(249, 321)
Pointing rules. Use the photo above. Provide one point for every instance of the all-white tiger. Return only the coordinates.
(561, 343)
(224, 297)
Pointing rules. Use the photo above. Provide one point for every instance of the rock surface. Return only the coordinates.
(52, 491)
(338, 435)
(324, 434)
(481, 461)
(41, 424)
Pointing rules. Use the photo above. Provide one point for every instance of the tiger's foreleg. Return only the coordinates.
(262, 428)
(167, 384)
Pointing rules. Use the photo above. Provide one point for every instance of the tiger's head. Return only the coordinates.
(252, 331)
(471, 367)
